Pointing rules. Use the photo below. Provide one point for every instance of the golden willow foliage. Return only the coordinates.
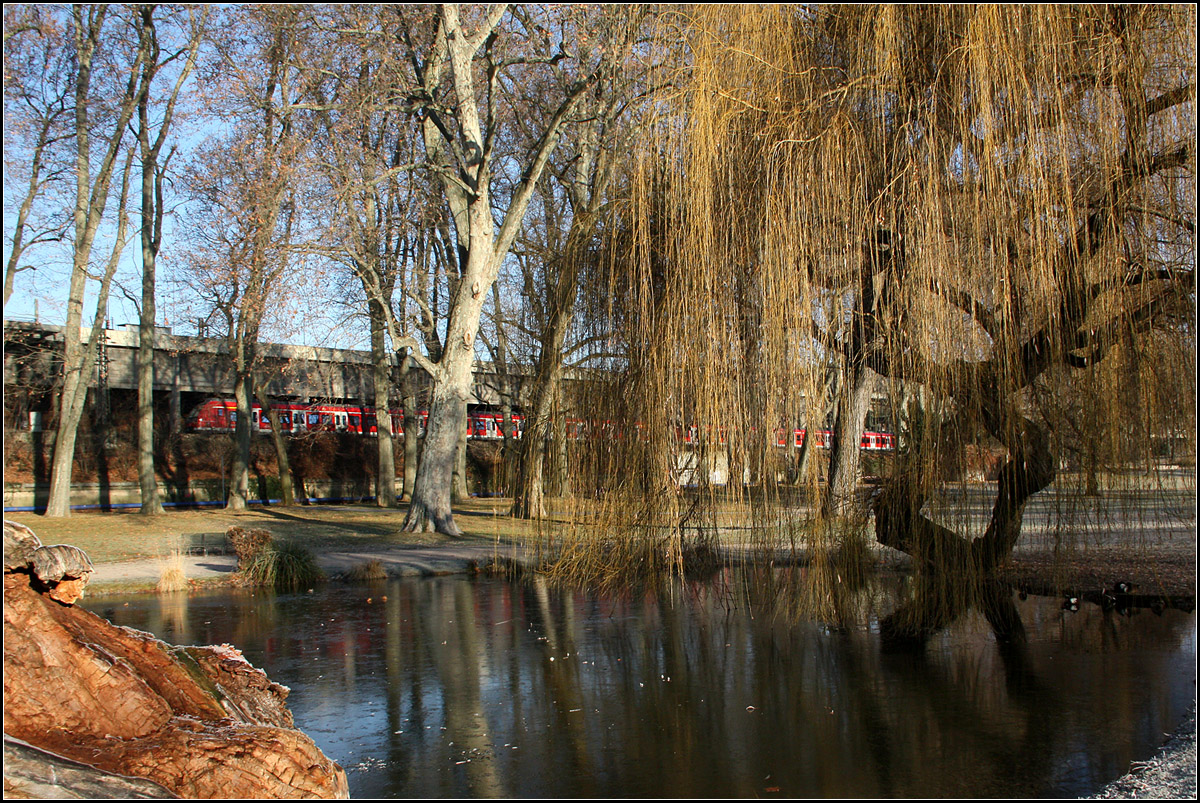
(991, 207)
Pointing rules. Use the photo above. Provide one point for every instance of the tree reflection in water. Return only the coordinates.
(801, 679)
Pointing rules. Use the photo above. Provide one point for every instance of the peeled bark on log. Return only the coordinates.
(200, 721)
(33, 773)
(65, 570)
(19, 544)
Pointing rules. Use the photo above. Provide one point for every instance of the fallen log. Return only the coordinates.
(199, 721)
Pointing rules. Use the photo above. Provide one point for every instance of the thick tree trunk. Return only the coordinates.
(899, 523)
(430, 509)
(845, 459)
(529, 494)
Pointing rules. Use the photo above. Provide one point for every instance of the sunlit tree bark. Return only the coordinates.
(459, 141)
(92, 187)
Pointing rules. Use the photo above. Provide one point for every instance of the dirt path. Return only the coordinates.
(1146, 540)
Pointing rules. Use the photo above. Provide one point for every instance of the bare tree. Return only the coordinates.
(380, 220)
(461, 128)
(153, 171)
(104, 94)
(37, 115)
(244, 188)
(581, 177)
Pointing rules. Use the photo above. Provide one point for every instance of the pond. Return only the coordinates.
(486, 687)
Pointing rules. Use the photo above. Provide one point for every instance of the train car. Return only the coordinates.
(490, 426)
(220, 415)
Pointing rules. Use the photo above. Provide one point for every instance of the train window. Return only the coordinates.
(220, 412)
(354, 421)
(285, 419)
(314, 419)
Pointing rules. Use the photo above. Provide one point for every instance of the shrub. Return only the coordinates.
(247, 544)
(284, 567)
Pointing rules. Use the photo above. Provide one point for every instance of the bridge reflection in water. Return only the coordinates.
(461, 687)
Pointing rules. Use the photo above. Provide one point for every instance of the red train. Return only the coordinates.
(220, 415)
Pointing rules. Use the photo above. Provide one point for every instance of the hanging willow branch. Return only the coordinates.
(970, 202)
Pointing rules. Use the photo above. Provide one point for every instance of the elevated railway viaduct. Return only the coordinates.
(189, 370)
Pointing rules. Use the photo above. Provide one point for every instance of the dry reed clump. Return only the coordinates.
(172, 574)
(366, 571)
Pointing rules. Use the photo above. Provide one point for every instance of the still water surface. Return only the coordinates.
(465, 687)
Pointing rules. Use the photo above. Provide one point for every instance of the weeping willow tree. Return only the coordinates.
(987, 212)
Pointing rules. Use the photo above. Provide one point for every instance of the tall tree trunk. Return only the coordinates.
(459, 490)
(151, 236)
(279, 439)
(239, 487)
(151, 222)
(381, 361)
(91, 197)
